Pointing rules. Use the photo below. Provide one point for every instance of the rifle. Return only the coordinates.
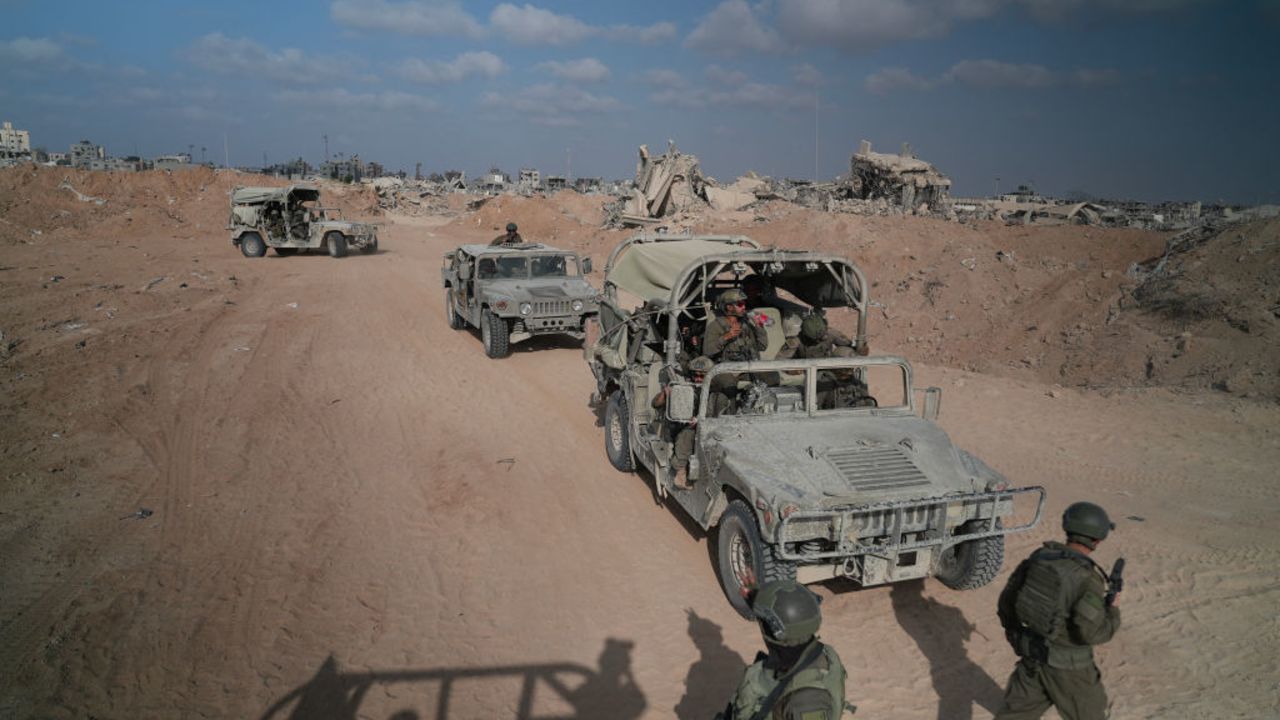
(1115, 581)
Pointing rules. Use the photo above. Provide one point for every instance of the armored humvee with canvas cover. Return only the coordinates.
(814, 469)
(289, 219)
(514, 292)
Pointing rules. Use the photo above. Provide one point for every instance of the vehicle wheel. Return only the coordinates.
(494, 334)
(286, 251)
(743, 558)
(251, 245)
(970, 565)
(617, 433)
(337, 244)
(370, 247)
(450, 312)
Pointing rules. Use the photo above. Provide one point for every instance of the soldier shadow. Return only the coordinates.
(580, 693)
(940, 631)
(713, 677)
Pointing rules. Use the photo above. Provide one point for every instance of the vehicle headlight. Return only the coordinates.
(577, 306)
(525, 308)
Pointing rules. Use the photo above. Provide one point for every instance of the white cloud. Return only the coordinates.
(724, 88)
(721, 76)
(861, 25)
(554, 105)
(732, 28)
(996, 74)
(648, 35)
(895, 78)
(222, 54)
(806, 74)
(586, 70)
(529, 25)
(30, 50)
(417, 17)
(663, 78)
(342, 99)
(991, 74)
(433, 72)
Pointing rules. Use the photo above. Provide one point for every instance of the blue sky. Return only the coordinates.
(1147, 99)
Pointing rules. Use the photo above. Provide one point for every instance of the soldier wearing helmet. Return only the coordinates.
(682, 435)
(1054, 609)
(735, 335)
(800, 676)
(510, 238)
(843, 387)
(815, 339)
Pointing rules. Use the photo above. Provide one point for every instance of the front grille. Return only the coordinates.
(881, 467)
(551, 307)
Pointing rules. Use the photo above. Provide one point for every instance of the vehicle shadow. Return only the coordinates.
(714, 676)
(607, 693)
(941, 631)
(312, 254)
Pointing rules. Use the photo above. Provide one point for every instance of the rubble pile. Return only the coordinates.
(666, 186)
(912, 184)
(412, 197)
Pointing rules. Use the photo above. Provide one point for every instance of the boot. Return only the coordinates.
(682, 478)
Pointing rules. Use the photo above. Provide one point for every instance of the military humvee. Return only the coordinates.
(798, 481)
(288, 219)
(514, 292)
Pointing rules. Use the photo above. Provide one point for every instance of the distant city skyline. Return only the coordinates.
(1144, 99)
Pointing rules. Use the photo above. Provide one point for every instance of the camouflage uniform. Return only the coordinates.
(815, 693)
(506, 239)
(1060, 592)
(746, 346)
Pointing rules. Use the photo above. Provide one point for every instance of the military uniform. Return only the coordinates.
(1053, 611)
(506, 239)
(746, 346)
(824, 347)
(814, 693)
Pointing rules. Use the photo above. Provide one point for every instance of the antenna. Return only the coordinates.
(568, 155)
(326, 147)
(815, 135)
(226, 155)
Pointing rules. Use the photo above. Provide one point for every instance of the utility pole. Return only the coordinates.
(815, 135)
(202, 149)
(226, 154)
(191, 151)
(997, 187)
(568, 159)
(326, 147)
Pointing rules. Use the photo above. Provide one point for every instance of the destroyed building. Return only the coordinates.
(902, 179)
(665, 185)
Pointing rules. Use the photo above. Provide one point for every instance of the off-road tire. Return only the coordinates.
(617, 433)
(336, 242)
(739, 548)
(971, 565)
(370, 247)
(252, 246)
(450, 312)
(286, 251)
(495, 335)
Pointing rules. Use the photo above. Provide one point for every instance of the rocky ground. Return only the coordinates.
(284, 488)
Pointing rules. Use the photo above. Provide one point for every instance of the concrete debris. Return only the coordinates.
(668, 185)
(66, 185)
(902, 179)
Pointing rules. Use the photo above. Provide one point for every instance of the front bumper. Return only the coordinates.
(888, 529)
(527, 326)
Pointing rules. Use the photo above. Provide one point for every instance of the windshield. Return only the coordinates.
(851, 385)
(553, 265)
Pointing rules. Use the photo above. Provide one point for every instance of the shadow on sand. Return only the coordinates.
(608, 693)
(941, 631)
(714, 676)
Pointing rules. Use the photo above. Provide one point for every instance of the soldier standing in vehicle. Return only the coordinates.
(510, 238)
(1054, 609)
(816, 340)
(685, 433)
(800, 676)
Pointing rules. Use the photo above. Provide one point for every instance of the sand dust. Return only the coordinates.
(355, 514)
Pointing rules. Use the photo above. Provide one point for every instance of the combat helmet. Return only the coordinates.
(788, 612)
(1087, 520)
(813, 327)
(511, 227)
(732, 295)
(701, 364)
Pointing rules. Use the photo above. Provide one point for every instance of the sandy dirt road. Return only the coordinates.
(357, 515)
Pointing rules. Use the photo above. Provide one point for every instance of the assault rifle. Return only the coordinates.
(1115, 581)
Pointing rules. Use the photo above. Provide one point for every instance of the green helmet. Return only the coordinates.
(813, 328)
(511, 227)
(1087, 520)
(701, 364)
(732, 295)
(788, 612)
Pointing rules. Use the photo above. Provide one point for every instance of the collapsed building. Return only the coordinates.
(665, 185)
(913, 184)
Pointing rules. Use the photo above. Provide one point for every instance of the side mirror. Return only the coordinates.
(932, 403)
(681, 398)
(586, 266)
(464, 272)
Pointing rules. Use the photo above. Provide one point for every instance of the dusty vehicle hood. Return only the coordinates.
(825, 462)
(541, 288)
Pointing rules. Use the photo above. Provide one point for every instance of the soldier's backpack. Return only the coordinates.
(1042, 604)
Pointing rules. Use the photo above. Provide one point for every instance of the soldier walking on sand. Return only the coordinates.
(800, 676)
(1054, 609)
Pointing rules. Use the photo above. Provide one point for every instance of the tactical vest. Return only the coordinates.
(1043, 606)
(815, 693)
